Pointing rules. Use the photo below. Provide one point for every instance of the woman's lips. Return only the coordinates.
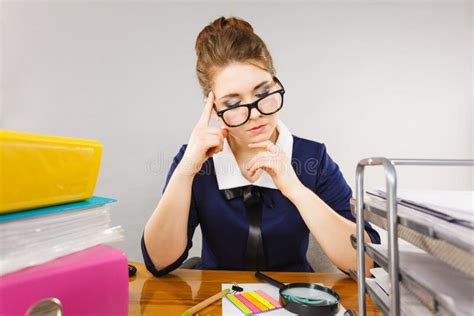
(257, 129)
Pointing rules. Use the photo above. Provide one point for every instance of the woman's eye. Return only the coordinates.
(232, 105)
(261, 95)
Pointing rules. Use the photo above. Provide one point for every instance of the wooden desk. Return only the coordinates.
(174, 293)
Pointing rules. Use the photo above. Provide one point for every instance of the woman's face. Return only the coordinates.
(240, 83)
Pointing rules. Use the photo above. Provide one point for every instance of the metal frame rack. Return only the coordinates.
(406, 227)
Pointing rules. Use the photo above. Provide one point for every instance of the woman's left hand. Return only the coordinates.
(275, 162)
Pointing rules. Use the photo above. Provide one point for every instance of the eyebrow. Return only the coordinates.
(236, 94)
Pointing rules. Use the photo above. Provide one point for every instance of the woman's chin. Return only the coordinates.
(260, 138)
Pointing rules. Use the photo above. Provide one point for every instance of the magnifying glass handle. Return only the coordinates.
(269, 280)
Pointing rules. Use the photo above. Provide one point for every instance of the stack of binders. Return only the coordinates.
(52, 229)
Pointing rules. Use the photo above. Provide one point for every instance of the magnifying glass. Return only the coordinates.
(305, 298)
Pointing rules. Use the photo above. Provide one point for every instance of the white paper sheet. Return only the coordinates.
(454, 289)
(457, 204)
(409, 304)
(38, 239)
(459, 235)
(229, 309)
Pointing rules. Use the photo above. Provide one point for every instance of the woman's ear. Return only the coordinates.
(225, 131)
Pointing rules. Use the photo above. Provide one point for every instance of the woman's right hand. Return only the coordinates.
(205, 140)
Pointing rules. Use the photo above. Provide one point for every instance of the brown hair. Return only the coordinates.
(227, 40)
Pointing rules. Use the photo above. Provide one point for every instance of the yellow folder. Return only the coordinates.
(40, 170)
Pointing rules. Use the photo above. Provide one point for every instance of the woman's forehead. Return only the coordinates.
(240, 79)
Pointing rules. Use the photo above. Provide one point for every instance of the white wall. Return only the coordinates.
(367, 78)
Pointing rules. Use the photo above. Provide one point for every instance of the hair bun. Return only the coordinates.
(219, 25)
(233, 22)
(225, 41)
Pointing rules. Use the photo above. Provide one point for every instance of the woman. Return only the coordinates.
(256, 190)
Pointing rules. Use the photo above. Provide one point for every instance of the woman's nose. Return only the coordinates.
(254, 113)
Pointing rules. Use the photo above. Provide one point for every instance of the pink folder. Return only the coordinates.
(89, 282)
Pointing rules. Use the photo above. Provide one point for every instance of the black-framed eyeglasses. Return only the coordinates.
(268, 104)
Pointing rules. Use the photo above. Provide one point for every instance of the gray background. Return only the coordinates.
(374, 78)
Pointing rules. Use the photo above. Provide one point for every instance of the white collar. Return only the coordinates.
(228, 173)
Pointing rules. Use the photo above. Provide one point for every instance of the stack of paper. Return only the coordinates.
(452, 206)
(33, 237)
(409, 304)
(450, 288)
(50, 222)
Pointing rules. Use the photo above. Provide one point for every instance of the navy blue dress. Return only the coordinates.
(285, 235)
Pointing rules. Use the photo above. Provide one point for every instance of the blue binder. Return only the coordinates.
(91, 202)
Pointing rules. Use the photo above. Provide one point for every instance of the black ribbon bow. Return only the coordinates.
(253, 198)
